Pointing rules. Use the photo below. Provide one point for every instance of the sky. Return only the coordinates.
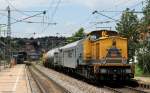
(69, 16)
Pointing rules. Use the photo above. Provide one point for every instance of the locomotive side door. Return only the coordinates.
(97, 51)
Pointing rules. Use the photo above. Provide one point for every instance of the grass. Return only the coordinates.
(138, 71)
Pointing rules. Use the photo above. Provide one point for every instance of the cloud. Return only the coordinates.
(91, 4)
(102, 4)
(87, 3)
(24, 3)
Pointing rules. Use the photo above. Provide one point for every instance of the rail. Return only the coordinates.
(40, 79)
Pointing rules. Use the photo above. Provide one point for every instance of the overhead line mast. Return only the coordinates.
(9, 35)
(9, 23)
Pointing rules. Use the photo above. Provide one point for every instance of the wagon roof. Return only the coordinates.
(71, 45)
(51, 52)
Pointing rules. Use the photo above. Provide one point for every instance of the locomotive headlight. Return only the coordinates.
(128, 70)
(124, 60)
(103, 60)
(103, 71)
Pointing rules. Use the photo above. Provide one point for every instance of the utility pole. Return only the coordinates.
(9, 24)
(9, 35)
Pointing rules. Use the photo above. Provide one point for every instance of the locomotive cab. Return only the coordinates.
(107, 52)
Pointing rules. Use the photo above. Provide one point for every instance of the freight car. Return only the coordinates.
(101, 55)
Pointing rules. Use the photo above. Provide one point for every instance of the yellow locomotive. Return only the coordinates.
(100, 55)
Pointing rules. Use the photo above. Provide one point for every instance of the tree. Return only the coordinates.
(127, 27)
(144, 50)
(77, 36)
(146, 18)
(143, 57)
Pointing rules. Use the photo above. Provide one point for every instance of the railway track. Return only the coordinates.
(71, 84)
(132, 87)
(44, 83)
(125, 90)
(88, 87)
(32, 83)
(122, 88)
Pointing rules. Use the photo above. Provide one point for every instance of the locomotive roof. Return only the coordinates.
(100, 31)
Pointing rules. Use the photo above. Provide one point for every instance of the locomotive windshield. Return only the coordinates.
(114, 52)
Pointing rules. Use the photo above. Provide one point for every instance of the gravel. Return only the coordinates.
(71, 84)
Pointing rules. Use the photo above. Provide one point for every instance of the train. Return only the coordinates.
(100, 55)
(19, 56)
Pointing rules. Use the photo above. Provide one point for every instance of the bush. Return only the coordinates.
(138, 71)
(144, 62)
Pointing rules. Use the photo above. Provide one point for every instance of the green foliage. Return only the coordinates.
(145, 21)
(144, 61)
(127, 27)
(128, 24)
(143, 53)
(130, 27)
(17, 44)
(77, 36)
(143, 57)
(138, 71)
(146, 13)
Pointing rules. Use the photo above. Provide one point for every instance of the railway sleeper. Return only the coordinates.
(146, 86)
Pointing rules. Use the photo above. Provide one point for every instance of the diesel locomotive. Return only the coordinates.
(101, 55)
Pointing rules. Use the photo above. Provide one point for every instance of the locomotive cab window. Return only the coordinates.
(102, 33)
(94, 36)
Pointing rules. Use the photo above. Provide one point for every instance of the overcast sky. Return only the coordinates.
(70, 15)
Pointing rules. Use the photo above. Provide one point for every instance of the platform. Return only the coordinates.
(14, 80)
